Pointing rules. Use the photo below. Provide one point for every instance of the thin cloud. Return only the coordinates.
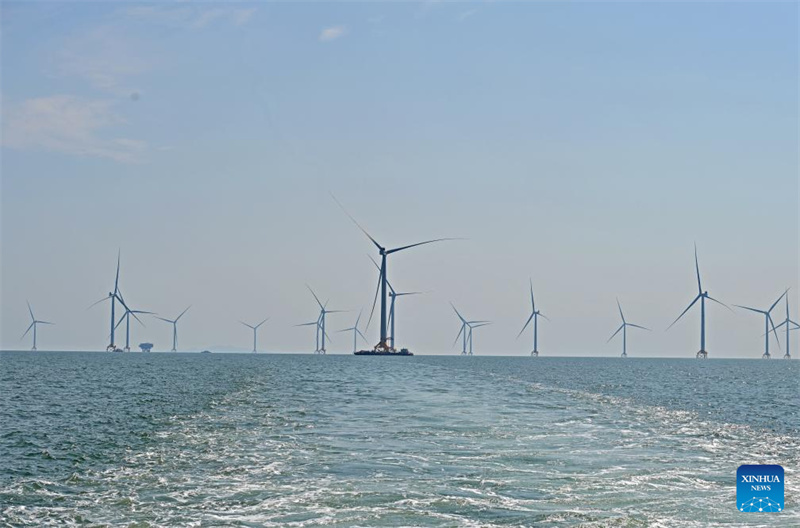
(195, 17)
(466, 14)
(69, 125)
(104, 58)
(332, 33)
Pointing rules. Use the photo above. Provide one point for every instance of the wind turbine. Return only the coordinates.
(317, 325)
(472, 326)
(767, 322)
(34, 323)
(114, 297)
(255, 331)
(788, 322)
(383, 345)
(535, 314)
(393, 296)
(356, 333)
(127, 318)
(624, 327)
(465, 333)
(702, 296)
(323, 312)
(174, 323)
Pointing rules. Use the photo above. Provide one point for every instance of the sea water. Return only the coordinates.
(97, 439)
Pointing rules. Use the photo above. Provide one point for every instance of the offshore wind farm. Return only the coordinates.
(381, 264)
(388, 297)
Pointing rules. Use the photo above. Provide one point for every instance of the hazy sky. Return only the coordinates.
(584, 145)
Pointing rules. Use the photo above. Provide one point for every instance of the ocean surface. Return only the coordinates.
(94, 439)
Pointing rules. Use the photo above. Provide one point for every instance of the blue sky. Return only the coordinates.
(585, 145)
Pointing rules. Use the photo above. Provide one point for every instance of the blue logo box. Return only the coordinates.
(759, 489)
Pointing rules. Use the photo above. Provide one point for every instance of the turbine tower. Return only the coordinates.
(393, 295)
(127, 318)
(356, 333)
(472, 325)
(255, 331)
(323, 312)
(702, 296)
(317, 325)
(174, 323)
(113, 297)
(34, 323)
(767, 322)
(383, 344)
(535, 314)
(465, 333)
(789, 323)
(624, 328)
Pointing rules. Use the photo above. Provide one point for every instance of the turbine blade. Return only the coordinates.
(525, 325)
(44, 322)
(122, 302)
(774, 331)
(98, 302)
(166, 320)
(374, 301)
(315, 297)
(361, 311)
(543, 315)
(30, 311)
(620, 311)
(380, 248)
(308, 324)
(697, 268)
(116, 280)
(362, 336)
(26, 331)
(463, 325)
(720, 303)
(458, 314)
(419, 244)
(183, 312)
(684, 312)
(533, 304)
(119, 322)
(615, 333)
(247, 325)
(345, 330)
(637, 326)
(751, 309)
(133, 313)
(261, 323)
(779, 300)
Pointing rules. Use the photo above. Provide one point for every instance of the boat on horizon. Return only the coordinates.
(384, 352)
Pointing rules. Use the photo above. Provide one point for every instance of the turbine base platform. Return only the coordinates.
(384, 352)
(624, 355)
(535, 353)
(766, 355)
(787, 356)
(702, 354)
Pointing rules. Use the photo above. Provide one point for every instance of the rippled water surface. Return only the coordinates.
(277, 440)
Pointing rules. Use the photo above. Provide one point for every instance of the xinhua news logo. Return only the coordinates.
(759, 489)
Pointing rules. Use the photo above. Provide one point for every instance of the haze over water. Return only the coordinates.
(288, 440)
